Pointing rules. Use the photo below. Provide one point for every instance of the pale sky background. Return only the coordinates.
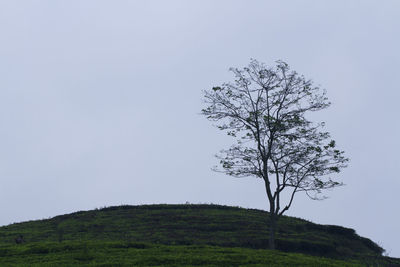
(100, 103)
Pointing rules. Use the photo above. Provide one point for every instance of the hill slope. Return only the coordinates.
(177, 227)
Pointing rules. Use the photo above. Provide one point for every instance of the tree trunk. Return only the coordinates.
(272, 231)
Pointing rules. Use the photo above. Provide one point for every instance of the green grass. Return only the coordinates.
(139, 254)
(160, 235)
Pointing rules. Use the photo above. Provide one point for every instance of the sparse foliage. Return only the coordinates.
(265, 109)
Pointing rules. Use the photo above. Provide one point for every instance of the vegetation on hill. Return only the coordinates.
(183, 235)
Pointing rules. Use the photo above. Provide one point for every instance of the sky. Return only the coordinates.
(100, 103)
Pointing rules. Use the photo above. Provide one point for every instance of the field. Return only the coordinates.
(138, 254)
(182, 235)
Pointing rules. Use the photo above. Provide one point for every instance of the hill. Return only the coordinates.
(183, 235)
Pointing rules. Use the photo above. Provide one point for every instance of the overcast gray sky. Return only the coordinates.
(100, 103)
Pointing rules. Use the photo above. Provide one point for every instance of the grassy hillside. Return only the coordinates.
(183, 235)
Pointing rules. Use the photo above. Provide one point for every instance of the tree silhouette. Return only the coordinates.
(265, 109)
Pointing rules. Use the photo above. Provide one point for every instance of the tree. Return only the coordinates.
(265, 110)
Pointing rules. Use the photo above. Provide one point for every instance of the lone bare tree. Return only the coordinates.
(264, 110)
